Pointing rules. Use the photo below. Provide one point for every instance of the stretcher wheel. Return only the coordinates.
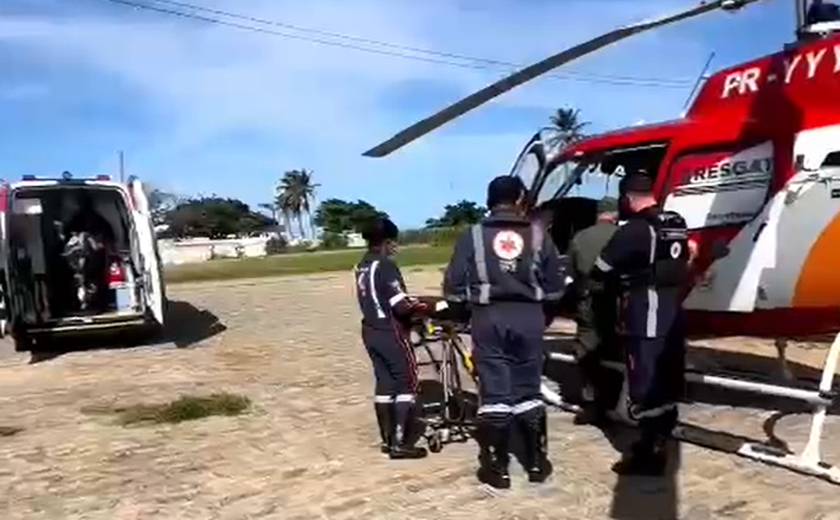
(435, 443)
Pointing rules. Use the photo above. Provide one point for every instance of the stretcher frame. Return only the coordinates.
(451, 423)
(808, 461)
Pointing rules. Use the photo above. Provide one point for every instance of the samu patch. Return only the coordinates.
(508, 246)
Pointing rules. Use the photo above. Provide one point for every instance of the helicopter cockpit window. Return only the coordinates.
(527, 168)
(557, 178)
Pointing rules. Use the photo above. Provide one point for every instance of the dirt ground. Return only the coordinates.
(308, 450)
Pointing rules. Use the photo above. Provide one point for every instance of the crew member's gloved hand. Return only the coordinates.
(417, 306)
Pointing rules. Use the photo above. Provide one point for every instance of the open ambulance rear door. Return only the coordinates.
(149, 256)
(5, 294)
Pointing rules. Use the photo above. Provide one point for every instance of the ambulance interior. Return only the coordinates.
(43, 281)
(568, 197)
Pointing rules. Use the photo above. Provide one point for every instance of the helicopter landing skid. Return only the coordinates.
(808, 461)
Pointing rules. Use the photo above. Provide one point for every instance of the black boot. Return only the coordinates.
(642, 461)
(591, 413)
(534, 432)
(647, 456)
(385, 418)
(493, 457)
(404, 434)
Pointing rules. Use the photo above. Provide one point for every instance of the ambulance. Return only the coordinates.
(36, 303)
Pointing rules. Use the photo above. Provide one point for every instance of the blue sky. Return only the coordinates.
(200, 108)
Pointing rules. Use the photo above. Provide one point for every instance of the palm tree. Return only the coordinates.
(568, 124)
(296, 195)
(285, 202)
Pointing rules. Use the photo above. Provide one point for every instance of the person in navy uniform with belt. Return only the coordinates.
(649, 257)
(386, 310)
(506, 271)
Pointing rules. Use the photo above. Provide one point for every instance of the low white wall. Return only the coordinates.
(202, 249)
(192, 250)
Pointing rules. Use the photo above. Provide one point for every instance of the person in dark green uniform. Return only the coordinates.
(596, 308)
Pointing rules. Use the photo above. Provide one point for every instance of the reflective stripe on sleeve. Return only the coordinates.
(480, 256)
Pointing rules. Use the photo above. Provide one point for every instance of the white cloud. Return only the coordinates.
(327, 100)
(216, 77)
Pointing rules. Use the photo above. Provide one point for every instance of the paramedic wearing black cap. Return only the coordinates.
(385, 310)
(649, 255)
(506, 271)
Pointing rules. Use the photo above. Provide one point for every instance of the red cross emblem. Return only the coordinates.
(507, 244)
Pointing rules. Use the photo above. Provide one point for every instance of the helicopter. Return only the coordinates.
(754, 168)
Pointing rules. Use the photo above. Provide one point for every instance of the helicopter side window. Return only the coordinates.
(820, 11)
(721, 187)
(596, 176)
(569, 195)
(597, 181)
(832, 160)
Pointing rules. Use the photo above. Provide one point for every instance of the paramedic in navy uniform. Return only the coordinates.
(386, 308)
(506, 271)
(649, 254)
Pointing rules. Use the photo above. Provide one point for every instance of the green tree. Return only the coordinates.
(462, 213)
(295, 195)
(340, 216)
(568, 124)
(214, 217)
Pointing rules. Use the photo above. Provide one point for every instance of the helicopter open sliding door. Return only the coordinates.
(572, 189)
(722, 193)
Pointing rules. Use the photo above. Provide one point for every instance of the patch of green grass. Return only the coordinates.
(297, 263)
(184, 408)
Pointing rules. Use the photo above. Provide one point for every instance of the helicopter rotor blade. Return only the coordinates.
(477, 99)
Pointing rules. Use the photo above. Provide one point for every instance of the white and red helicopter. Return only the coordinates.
(753, 166)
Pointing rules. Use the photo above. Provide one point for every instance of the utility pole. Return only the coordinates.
(122, 167)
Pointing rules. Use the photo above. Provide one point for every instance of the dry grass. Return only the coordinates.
(297, 263)
(184, 408)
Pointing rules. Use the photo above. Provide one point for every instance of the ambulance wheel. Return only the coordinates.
(23, 342)
(152, 333)
(435, 443)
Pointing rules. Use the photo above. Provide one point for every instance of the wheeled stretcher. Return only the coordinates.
(437, 337)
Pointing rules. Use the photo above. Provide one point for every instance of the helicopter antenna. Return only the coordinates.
(702, 77)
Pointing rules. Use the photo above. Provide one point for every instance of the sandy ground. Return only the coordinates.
(308, 450)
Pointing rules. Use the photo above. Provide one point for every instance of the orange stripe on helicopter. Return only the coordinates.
(819, 284)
